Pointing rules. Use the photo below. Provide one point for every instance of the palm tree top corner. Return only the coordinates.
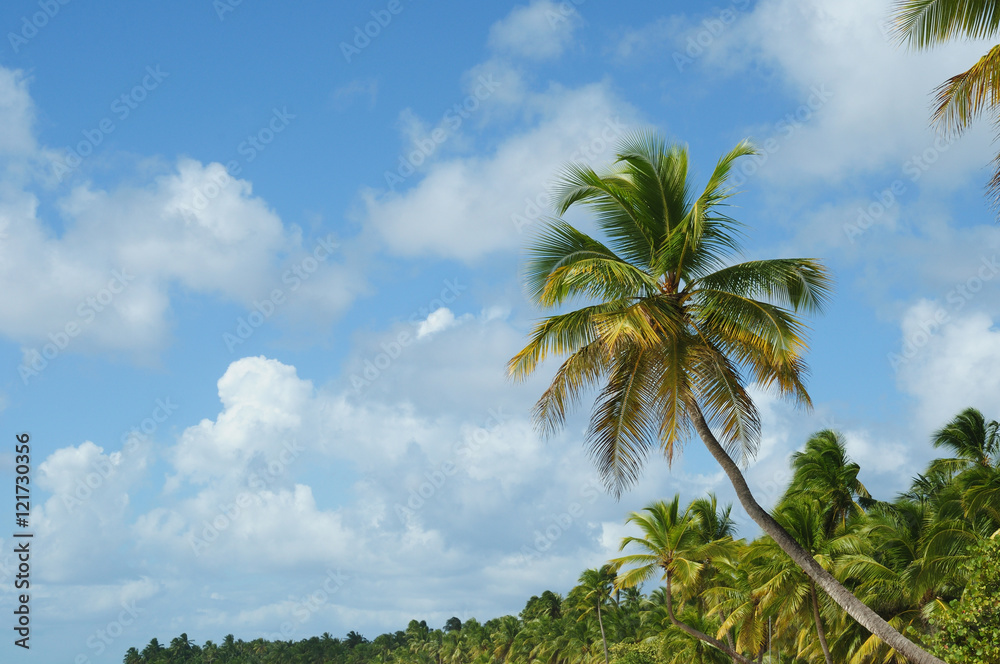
(967, 96)
(671, 330)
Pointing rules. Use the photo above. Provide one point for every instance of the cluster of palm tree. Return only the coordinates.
(908, 559)
(183, 650)
(686, 589)
(671, 333)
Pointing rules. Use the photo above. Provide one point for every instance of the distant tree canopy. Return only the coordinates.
(685, 589)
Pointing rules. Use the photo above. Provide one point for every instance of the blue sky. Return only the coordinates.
(285, 254)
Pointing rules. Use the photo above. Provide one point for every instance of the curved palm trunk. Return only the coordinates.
(701, 636)
(604, 640)
(729, 640)
(857, 609)
(820, 632)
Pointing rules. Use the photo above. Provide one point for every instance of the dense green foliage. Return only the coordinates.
(924, 561)
(970, 632)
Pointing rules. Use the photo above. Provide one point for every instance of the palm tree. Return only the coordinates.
(824, 473)
(671, 544)
(964, 97)
(676, 333)
(152, 650)
(744, 623)
(972, 440)
(894, 575)
(575, 643)
(782, 585)
(677, 647)
(503, 637)
(594, 592)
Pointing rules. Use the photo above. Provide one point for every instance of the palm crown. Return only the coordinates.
(675, 328)
(966, 96)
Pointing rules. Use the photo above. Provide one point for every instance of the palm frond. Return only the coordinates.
(623, 425)
(924, 23)
(964, 97)
(565, 262)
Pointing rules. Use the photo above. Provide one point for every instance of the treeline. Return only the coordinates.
(928, 562)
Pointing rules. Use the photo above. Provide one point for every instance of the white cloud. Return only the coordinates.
(104, 282)
(465, 207)
(874, 108)
(91, 498)
(538, 31)
(436, 321)
(97, 600)
(263, 404)
(650, 38)
(890, 457)
(344, 96)
(949, 367)
(17, 115)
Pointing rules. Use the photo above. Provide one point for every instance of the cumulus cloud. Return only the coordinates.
(263, 401)
(465, 207)
(437, 320)
(104, 283)
(948, 362)
(875, 110)
(538, 31)
(91, 498)
(262, 487)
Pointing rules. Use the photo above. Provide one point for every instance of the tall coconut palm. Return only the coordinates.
(594, 592)
(782, 587)
(503, 638)
(975, 464)
(894, 575)
(736, 601)
(677, 647)
(824, 473)
(967, 96)
(671, 546)
(676, 332)
(972, 441)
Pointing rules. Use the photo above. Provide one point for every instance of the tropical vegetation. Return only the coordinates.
(969, 95)
(672, 331)
(687, 589)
